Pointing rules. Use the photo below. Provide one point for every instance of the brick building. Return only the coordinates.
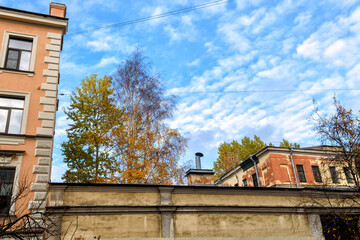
(289, 167)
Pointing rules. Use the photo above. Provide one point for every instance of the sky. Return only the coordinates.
(238, 68)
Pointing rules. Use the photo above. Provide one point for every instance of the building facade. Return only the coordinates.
(289, 167)
(29, 76)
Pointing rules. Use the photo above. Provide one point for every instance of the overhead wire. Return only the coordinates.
(153, 17)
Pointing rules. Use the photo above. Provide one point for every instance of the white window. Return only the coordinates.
(11, 112)
(18, 53)
(14, 109)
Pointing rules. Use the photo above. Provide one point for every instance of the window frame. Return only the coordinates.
(5, 48)
(302, 180)
(19, 55)
(245, 183)
(14, 165)
(26, 97)
(10, 194)
(254, 179)
(334, 174)
(9, 110)
(317, 173)
(348, 175)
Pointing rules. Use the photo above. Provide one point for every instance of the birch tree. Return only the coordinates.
(148, 149)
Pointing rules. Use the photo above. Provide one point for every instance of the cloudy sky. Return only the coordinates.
(238, 68)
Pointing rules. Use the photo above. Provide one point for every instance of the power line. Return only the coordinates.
(251, 91)
(162, 15)
(263, 91)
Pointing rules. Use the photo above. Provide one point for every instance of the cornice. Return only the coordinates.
(29, 17)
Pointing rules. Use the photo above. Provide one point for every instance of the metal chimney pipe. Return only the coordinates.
(198, 155)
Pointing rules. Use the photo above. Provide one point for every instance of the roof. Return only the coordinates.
(33, 13)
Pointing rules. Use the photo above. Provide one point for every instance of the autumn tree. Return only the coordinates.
(286, 143)
(339, 132)
(231, 154)
(95, 121)
(342, 131)
(148, 149)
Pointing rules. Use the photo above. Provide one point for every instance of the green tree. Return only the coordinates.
(95, 120)
(148, 149)
(231, 154)
(286, 143)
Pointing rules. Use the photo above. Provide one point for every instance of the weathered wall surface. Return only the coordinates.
(180, 212)
(241, 226)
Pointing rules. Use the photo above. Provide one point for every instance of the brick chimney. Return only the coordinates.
(57, 10)
(199, 176)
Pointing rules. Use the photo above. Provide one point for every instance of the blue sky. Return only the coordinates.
(246, 47)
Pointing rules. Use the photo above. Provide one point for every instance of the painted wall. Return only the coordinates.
(38, 86)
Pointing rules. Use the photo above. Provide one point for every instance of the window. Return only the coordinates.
(18, 54)
(334, 175)
(6, 185)
(301, 173)
(316, 173)
(245, 183)
(11, 113)
(349, 176)
(254, 178)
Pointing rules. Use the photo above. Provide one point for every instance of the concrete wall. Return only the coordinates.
(181, 212)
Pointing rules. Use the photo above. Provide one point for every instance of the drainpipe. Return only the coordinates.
(293, 167)
(256, 170)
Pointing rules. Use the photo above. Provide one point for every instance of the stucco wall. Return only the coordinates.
(241, 226)
(182, 212)
(111, 226)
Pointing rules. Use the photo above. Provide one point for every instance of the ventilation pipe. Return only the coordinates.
(198, 155)
(256, 170)
(293, 167)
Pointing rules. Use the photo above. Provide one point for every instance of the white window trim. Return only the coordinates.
(16, 165)
(26, 96)
(5, 43)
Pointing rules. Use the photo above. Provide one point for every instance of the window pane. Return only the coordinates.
(7, 175)
(15, 121)
(11, 102)
(12, 59)
(3, 119)
(334, 175)
(301, 173)
(254, 178)
(25, 60)
(20, 44)
(245, 183)
(349, 176)
(316, 173)
(6, 183)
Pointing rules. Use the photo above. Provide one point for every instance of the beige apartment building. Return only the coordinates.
(30, 45)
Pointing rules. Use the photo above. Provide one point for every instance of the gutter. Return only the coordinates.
(293, 167)
(256, 170)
